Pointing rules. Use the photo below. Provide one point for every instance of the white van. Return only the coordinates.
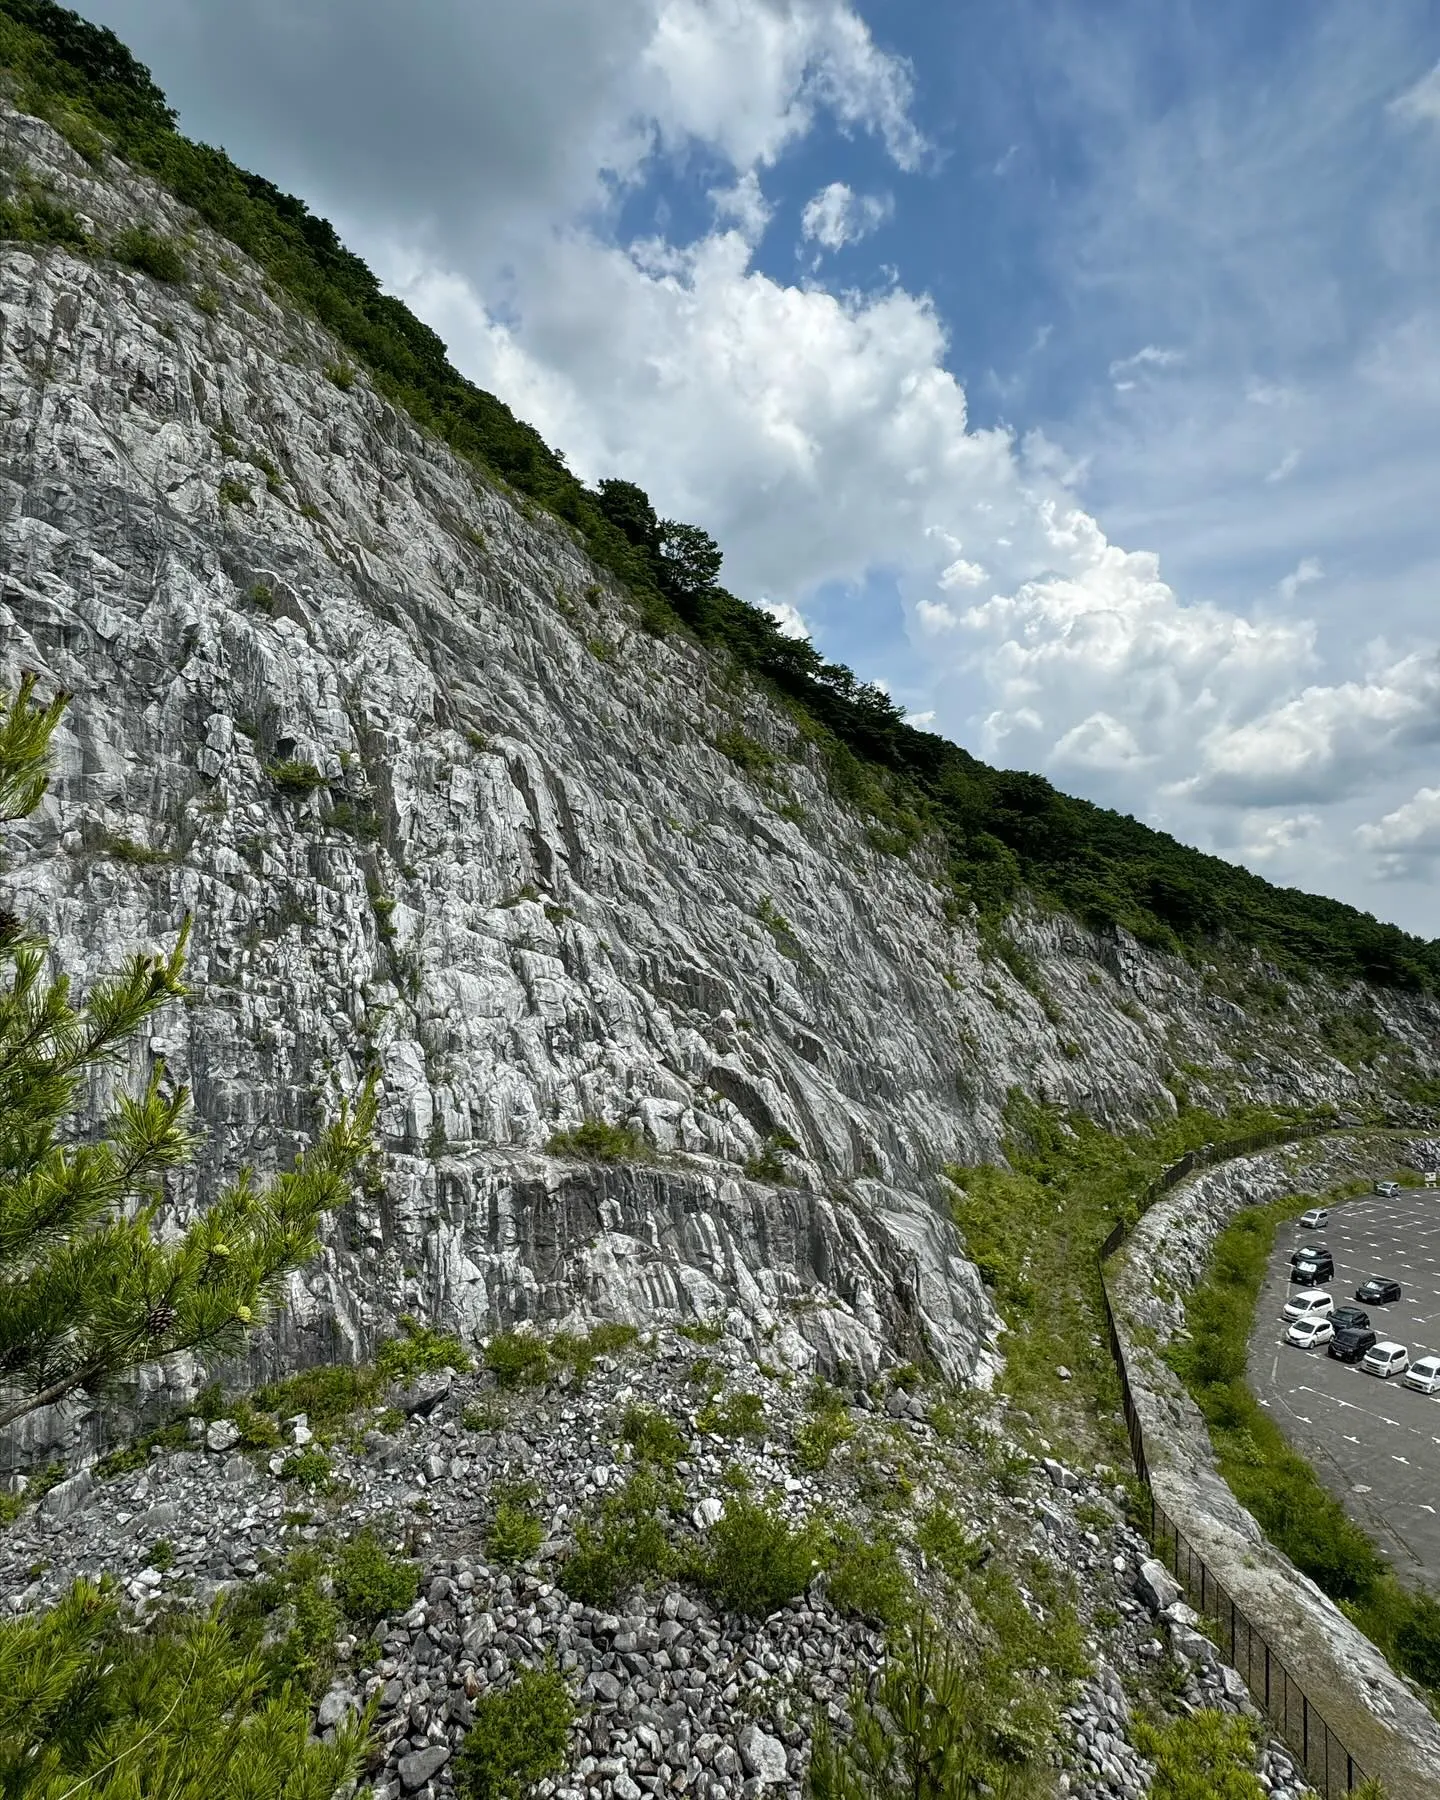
(1385, 1360)
(1314, 1305)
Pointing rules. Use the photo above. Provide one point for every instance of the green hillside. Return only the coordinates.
(1004, 832)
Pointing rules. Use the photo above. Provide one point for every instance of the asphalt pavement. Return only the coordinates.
(1374, 1443)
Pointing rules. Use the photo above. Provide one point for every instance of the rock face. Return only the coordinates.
(436, 805)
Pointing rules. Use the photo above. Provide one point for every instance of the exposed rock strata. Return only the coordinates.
(531, 888)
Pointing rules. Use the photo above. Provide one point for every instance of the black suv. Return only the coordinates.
(1379, 1290)
(1311, 1271)
(1350, 1318)
(1351, 1344)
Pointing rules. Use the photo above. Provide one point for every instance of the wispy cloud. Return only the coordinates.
(837, 216)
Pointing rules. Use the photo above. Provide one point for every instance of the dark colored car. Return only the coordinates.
(1350, 1318)
(1379, 1290)
(1306, 1251)
(1314, 1271)
(1350, 1345)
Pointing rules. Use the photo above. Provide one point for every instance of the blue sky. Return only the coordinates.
(1072, 367)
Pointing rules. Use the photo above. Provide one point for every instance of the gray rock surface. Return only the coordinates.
(530, 888)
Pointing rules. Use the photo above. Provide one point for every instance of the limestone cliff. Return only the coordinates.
(437, 804)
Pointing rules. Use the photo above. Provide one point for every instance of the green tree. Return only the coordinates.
(186, 1712)
(87, 1292)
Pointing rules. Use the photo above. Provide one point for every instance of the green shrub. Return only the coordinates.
(703, 1331)
(234, 492)
(208, 301)
(1206, 1756)
(327, 1396)
(341, 374)
(517, 1359)
(257, 1430)
(420, 1350)
(515, 1533)
(309, 1467)
(828, 1426)
(946, 1543)
(140, 248)
(519, 1736)
(627, 1547)
(293, 777)
(949, 1722)
(595, 1141)
(742, 1415)
(161, 1555)
(37, 220)
(866, 1579)
(746, 753)
(370, 1584)
(653, 1437)
(752, 1562)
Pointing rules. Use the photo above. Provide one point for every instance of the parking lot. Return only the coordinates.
(1375, 1443)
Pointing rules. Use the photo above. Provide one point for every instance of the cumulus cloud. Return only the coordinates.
(1407, 841)
(1323, 743)
(1264, 837)
(837, 216)
(744, 205)
(789, 618)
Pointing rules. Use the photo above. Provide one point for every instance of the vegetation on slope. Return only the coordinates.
(1002, 831)
(1034, 1230)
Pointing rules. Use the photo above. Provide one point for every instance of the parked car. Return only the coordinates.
(1310, 1334)
(1308, 1252)
(1388, 1188)
(1350, 1318)
(1313, 1270)
(1309, 1306)
(1424, 1375)
(1350, 1345)
(1315, 1218)
(1385, 1359)
(1379, 1290)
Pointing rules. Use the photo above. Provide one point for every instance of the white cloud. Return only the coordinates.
(837, 216)
(744, 205)
(749, 77)
(962, 574)
(1099, 742)
(1287, 465)
(1264, 837)
(1324, 742)
(1421, 103)
(1308, 569)
(1149, 356)
(787, 617)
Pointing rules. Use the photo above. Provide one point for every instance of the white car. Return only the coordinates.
(1313, 1220)
(1314, 1305)
(1424, 1374)
(1310, 1334)
(1385, 1359)
(1388, 1188)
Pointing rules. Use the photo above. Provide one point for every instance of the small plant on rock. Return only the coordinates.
(653, 1437)
(627, 1547)
(752, 1561)
(420, 1350)
(515, 1533)
(519, 1736)
(140, 248)
(595, 1141)
(370, 1584)
(517, 1359)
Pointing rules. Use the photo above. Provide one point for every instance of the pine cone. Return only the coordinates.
(160, 1320)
